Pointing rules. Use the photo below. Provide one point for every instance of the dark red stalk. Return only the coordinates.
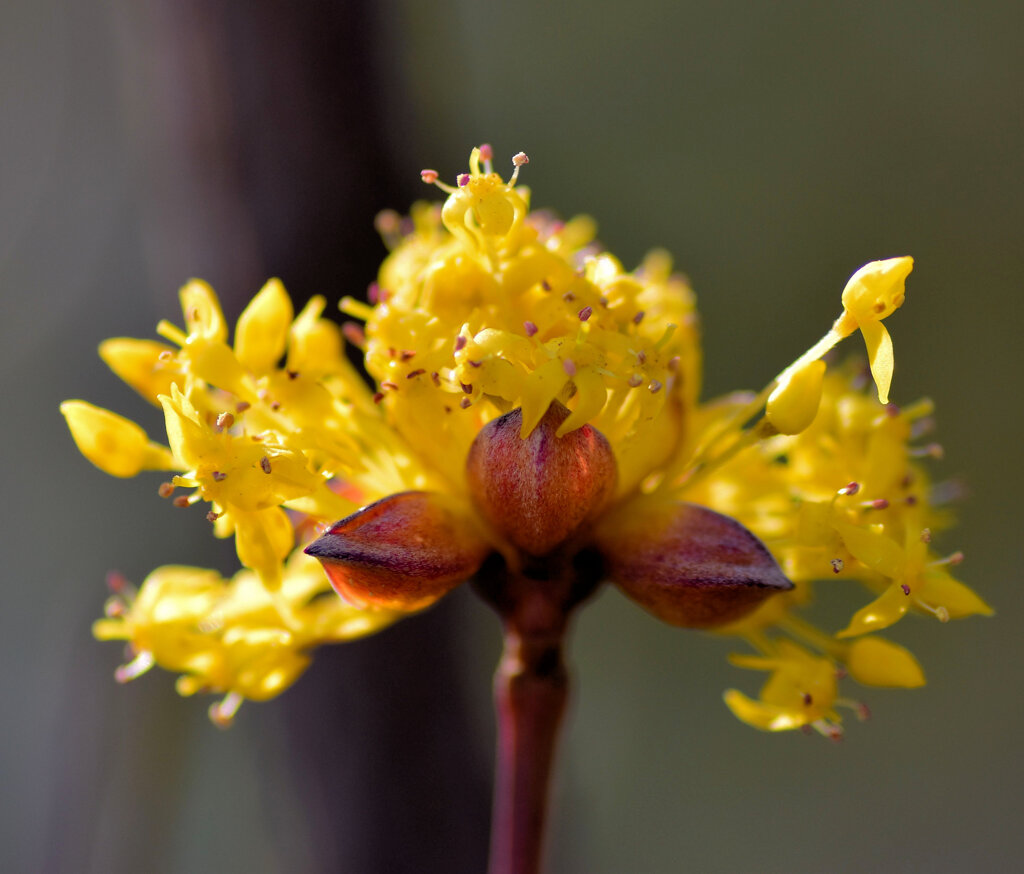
(530, 693)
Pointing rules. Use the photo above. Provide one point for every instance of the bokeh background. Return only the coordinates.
(771, 147)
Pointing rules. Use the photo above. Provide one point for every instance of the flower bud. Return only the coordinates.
(401, 553)
(794, 403)
(687, 565)
(540, 489)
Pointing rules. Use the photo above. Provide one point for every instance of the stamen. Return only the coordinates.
(407, 354)
(837, 565)
(638, 318)
(213, 517)
(429, 176)
(224, 420)
(518, 160)
(463, 179)
(568, 297)
(940, 613)
(165, 490)
(222, 713)
(435, 377)
(465, 403)
(413, 373)
(460, 343)
(655, 386)
(265, 464)
(635, 380)
(355, 334)
(468, 389)
(116, 581)
(932, 450)
(926, 535)
(378, 397)
(585, 313)
(165, 356)
(115, 607)
(219, 477)
(952, 560)
(135, 668)
(906, 588)
(530, 328)
(876, 504)
(182, 501)
(242, 406)
(569, 366)
(849, 489)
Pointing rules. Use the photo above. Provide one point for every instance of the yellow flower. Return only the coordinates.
(535, 416)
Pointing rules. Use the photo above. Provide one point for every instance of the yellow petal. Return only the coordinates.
(590, 397)
(874, 661)
(941, 590)
(203, 316)
(766, 717)
(113, 443)
(880, 357)
(262, 540)
(141, 364)
(262, 330)
(887, 608)
(874, 549)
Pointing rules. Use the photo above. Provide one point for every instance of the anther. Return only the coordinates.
(429, 176)
(568, 297)
(181, 502)
(465, 403)
(388, 384)
(849, 489)
(837, 565)
(569, 366)
(460, 343)
(808, 699)
(520, 158)
(926, 535)
(219, 477)
(641, 357)
(585, 313)
(876, 504)
(242, 406)
(116, 581)
(165, 490)
(638, 318)
(673, 364)
(265, 464)
(413, 373)
(906, 588)
(378, 397)
(435, 378)
(910, 500)
(472, 363)
(213, 517)
(114, 608)
(224, 420)
(486, 152)
(655, 386)
(407, 354)
(603, 301)
(166, 355)
(545, 285)
(373, 293)
(222, 713)
(952, 560)
(530, 328)
(463, 180)
(468, 389)
(635, 380)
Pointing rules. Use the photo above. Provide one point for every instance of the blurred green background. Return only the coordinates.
(771, 147)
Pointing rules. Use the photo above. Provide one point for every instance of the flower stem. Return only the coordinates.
(534, 600)
(530, 692)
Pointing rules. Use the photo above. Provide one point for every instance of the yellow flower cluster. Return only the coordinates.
(484, 307)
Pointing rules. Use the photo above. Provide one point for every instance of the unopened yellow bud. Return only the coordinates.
(114, 444)
(262, 330)
(794, 403)
(877, 289)
(877, 662)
